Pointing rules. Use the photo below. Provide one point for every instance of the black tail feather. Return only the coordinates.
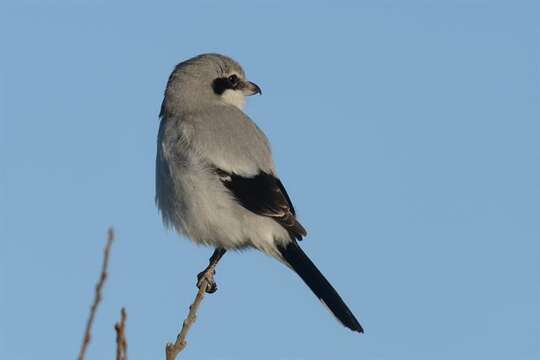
(304, 267)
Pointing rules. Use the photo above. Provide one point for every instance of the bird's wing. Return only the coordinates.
(265, 195)
(230, 142)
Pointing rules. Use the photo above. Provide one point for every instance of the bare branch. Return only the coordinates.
(172, 350)
(98, 296)
(121, 341)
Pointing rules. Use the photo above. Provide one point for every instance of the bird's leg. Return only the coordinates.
(208, 273)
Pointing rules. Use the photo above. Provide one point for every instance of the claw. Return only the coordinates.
(211, 286)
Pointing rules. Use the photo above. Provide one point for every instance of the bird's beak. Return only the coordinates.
(250, 88)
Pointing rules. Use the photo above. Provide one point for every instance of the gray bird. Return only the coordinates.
(216, 182)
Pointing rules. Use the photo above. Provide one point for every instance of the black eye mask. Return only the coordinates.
(223, 83)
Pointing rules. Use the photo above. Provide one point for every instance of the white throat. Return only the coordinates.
(234, 97)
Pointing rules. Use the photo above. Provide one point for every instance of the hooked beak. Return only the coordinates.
(250, 88)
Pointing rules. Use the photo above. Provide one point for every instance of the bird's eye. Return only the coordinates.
(233, 79)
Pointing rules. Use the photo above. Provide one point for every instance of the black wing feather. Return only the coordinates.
(265, 195)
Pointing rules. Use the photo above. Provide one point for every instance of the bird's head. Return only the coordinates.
(209, 78)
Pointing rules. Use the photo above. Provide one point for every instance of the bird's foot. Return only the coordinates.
(206, 278)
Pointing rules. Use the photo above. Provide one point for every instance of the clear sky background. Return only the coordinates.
(407, 134)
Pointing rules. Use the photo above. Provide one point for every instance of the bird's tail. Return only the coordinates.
(304, 267)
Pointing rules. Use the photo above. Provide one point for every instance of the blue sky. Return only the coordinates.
(407, 134)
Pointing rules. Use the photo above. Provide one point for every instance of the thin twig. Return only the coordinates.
(172, 350)
(97, 297)
(121, 341)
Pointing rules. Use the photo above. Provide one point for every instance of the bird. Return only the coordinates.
(216, 181)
